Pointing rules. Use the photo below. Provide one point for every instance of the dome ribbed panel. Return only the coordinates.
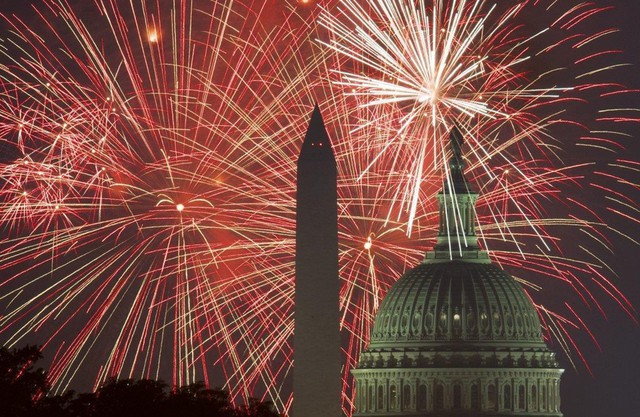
(456, 302)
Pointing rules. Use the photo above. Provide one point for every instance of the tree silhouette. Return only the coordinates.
(20, 383)
(23, 392)
(196, 400)
(126, 397)
(257, 408)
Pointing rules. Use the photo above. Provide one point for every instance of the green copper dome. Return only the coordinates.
(457, 335)
(475, 303)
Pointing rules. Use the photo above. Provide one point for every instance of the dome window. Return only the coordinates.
(507, 397)
(497, 321)
(372, 397)
(457, 325)
(471, 321)
(457, 396)
(534, 398)
(428, 322)
(406, 397)
(475, 397)
(484, 322)
(416, 322)
(443, 322)
(521, 398)
(380, 397)
(519, 322)
(394, 324)
(393, 397)
(422, 397)
(439, 397)
(509, 321)
(492, 398)
(404, 323)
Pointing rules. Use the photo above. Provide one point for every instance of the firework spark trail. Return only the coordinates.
(446, 63)
(148, 202)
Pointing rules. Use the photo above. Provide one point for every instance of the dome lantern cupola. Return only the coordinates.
(456, 233)
(457, 335)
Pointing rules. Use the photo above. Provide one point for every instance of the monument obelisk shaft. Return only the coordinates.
(317, 351)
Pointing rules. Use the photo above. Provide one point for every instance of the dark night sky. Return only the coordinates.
(614, 387)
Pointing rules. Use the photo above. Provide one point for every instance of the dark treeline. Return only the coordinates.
(24, 388)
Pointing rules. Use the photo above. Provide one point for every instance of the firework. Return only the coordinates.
(149, 197)
(148, 187)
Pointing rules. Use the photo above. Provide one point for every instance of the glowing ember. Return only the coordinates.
(152, 36)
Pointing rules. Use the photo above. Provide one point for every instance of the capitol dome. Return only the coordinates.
(477, 304)
(457, 335)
